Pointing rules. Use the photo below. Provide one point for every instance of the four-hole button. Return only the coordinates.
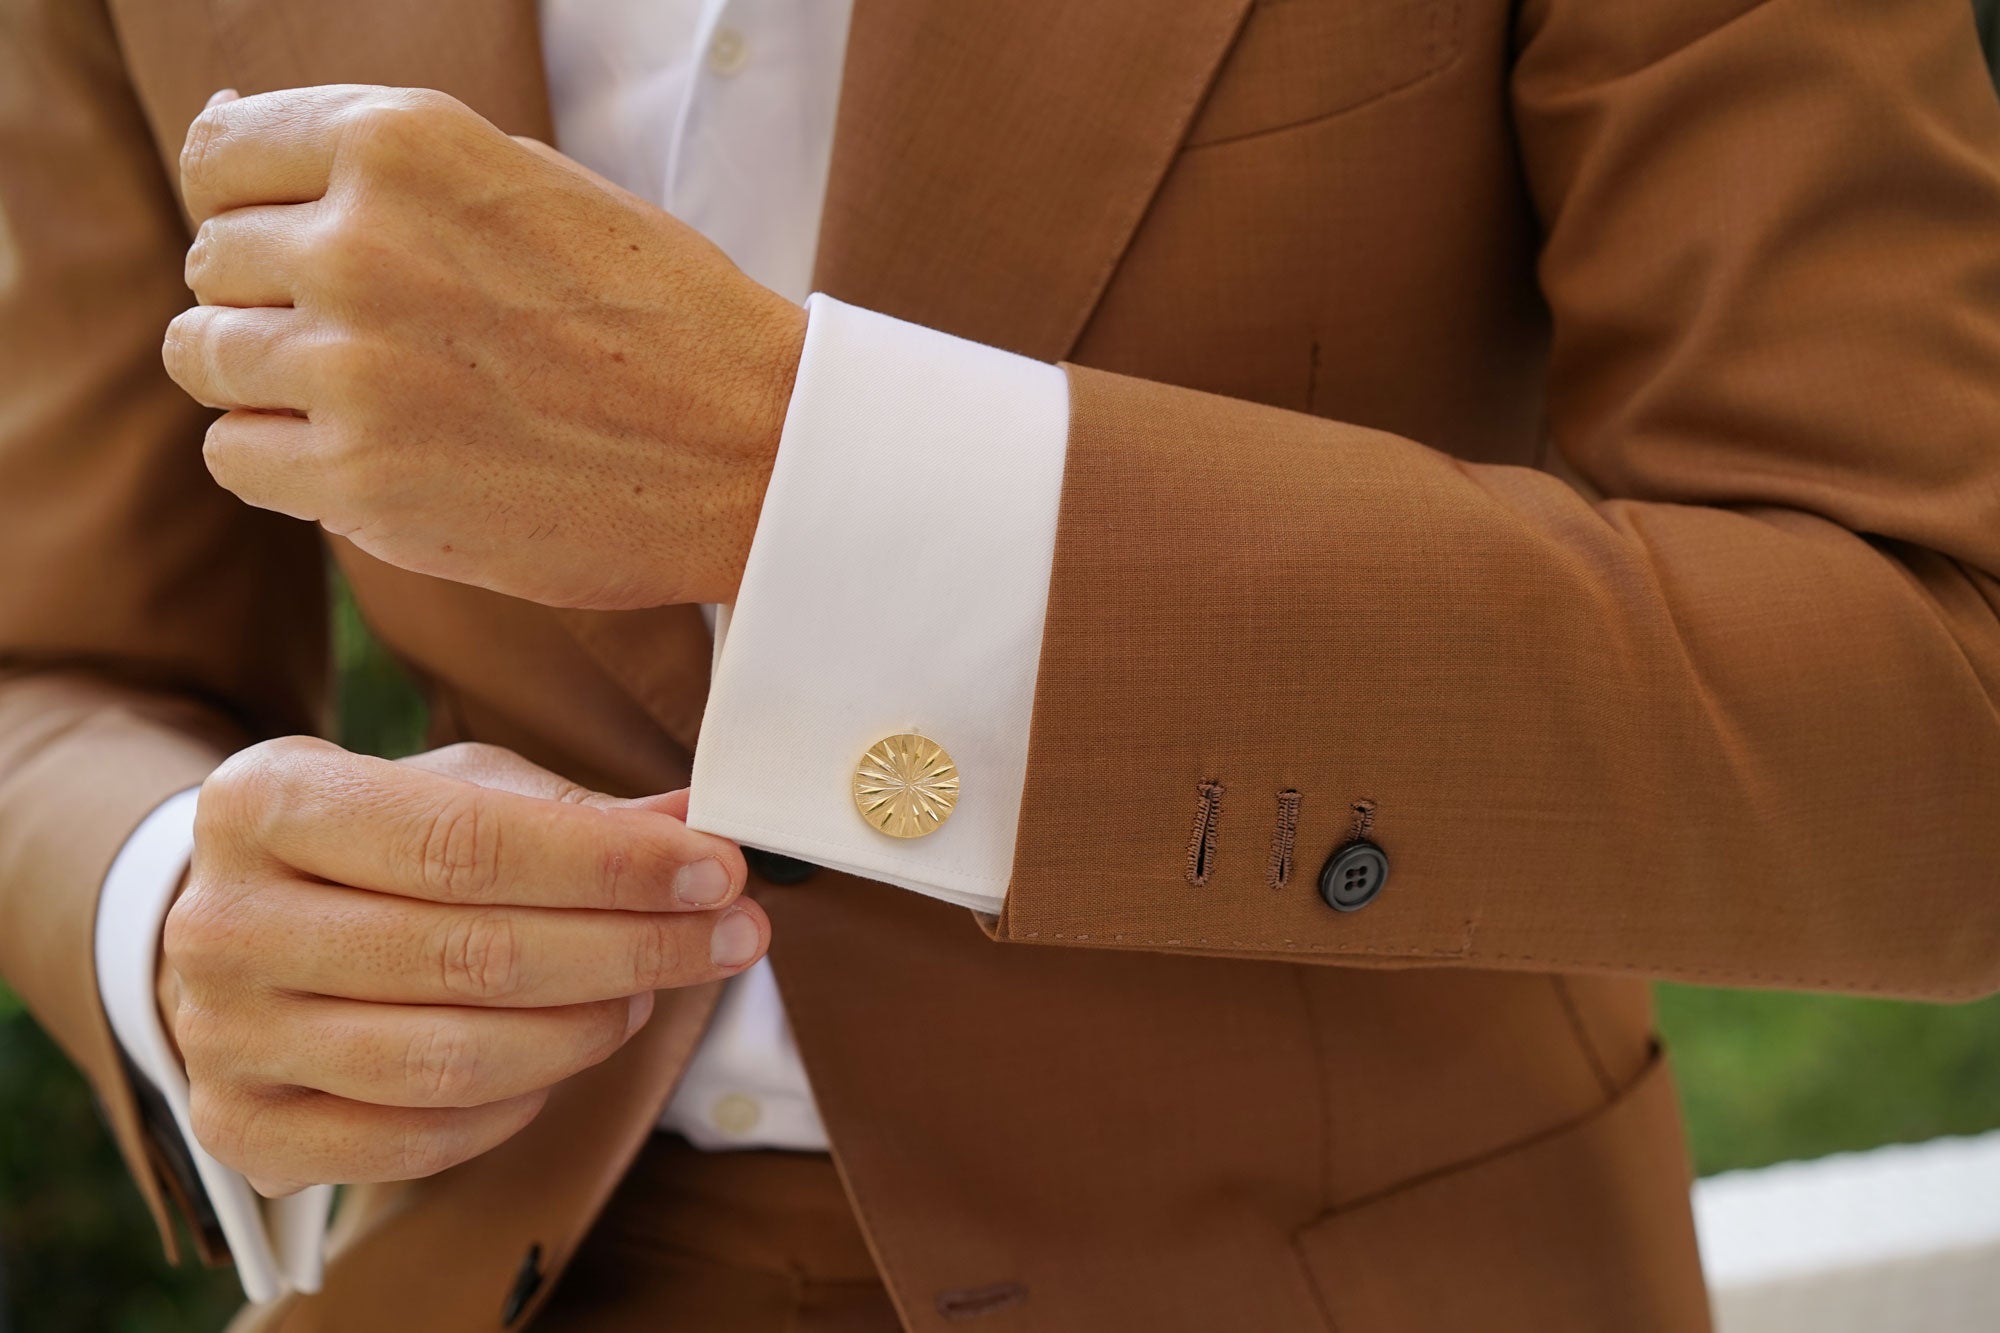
(1353, 875)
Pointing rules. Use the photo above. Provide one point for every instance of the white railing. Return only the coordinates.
(1903, 1239)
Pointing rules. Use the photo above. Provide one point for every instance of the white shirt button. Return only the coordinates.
(735, 1113)
(728, 51)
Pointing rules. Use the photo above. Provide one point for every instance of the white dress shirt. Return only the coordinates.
(723, 112)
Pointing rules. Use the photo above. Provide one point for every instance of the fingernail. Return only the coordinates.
(703, 884)
(642, 1009)
(734, 942)
(221, 95)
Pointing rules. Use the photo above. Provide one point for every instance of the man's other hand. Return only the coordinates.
(377, 970)
(471, 356)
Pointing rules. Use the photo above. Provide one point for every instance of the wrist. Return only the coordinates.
(774, 367)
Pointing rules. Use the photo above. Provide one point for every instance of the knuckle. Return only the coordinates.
(198, 151)
(281, 759)
(575, 793)
(222, 1123)
(349, 258)
(607, 1031)
(358, 477)
(226, 339)
(183, 328)
(181, 346)
(466, 757)
(371, 129)
(392, 128)
(481, 957)
(344, 361)
(209, 936)
(226, 795)
(657, 953)
(429, 100)
(200, 256)
(419, 1150)
(359, 471)
(296, 749)
(257, 791)
(428, 109)
(222, 1046)
(220, 458)
(200, 1033)
(458, 849)
(214, 1128)
(193, 931)
(441, 1064)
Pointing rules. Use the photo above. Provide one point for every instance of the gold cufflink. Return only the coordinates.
(906, 785)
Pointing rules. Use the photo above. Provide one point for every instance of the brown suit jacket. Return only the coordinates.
(1343, 283)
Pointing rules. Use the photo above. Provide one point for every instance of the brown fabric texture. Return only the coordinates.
(1649, 735)
(1564, 431)
(736, 1242)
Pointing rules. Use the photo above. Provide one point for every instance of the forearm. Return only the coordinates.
(1725, 743)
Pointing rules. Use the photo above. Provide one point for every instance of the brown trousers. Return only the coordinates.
(734, 1242)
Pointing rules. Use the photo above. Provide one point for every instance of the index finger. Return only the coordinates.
(372, 824)
(272, 148)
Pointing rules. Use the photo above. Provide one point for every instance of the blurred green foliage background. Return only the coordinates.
(1765, 1077)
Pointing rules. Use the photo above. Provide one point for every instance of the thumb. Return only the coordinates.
(673, 803)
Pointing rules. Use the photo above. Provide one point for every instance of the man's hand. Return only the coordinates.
(470, 355)
(378, 970)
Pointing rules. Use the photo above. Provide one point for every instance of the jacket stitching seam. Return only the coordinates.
(1584, 1044)
(1435, 64)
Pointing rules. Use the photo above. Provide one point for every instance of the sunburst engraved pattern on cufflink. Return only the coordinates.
(906, 785)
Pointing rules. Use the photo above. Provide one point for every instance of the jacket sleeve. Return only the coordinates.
(149, 624)
(1730, 717)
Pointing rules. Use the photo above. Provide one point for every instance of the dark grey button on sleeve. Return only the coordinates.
(1353, 875)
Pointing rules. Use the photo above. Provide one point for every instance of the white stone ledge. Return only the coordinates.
(1903, 1239)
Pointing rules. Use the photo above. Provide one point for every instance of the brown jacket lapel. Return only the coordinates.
(993, 159)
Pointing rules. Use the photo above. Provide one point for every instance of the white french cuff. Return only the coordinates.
(277, 1244)
(897, 583)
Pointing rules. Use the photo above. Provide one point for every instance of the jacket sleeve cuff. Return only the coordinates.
(897, 583)
(276, 1245)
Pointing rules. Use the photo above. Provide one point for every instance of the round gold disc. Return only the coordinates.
(906, 785)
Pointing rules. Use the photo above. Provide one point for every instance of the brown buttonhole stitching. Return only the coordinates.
(1278, 870)
(1364, 819)
(1201, 843)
